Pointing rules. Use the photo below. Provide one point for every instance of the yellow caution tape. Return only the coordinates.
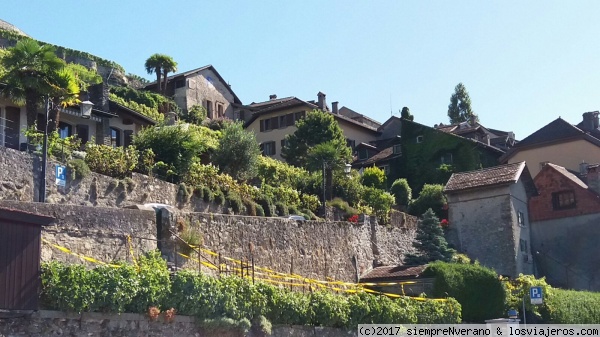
(131, 252)
(81, 256)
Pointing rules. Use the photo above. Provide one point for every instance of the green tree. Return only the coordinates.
(318, 127)
(195, 115)
(326, 156)
(238, 152)
(431, 196)
(402, 191)
(32, 73)
(161, 65)
(430, 241)
(373, 177)
(83, 76)
(405, 114)
(459, 109)
(65, 91)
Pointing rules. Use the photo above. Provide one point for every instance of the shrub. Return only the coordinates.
(468, 284)
(116, 162)
(431, 196)
(146, 162)
(380, 201)
(402, 191)
(250, 207)
(310, 202)
(237, 153)
(195, 115)
(217, 124)
(78, 168)
(219, 197)
(207, 194)
(342, 206)
(571, 307)
(282, 209)
(259, 210)
(374, 177)
(235, 202)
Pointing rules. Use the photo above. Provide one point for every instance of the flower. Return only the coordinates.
(444, 223)
(353, 218)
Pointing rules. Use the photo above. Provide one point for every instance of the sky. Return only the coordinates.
(524, 63)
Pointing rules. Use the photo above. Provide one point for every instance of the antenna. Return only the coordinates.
(391, 112)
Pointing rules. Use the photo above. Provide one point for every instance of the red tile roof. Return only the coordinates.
(497, 175)
(393, 272)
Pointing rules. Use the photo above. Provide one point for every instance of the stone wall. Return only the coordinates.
(316, 249)
(96, 232)
(16, 175)
(55, 323)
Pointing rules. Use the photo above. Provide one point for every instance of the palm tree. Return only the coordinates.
(161, 65)
(65, 92)
(29, 73)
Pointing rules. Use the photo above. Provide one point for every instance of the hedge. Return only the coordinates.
(571, 307)
(108, 289)
(476, 288)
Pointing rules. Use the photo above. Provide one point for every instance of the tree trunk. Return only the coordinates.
(328, 183)
(31, 107)
(158, 84)
(54, 116)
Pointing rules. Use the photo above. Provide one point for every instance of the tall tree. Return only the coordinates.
(327, 156)
(30, 74)
(459, 109)
(405, 114)
(430, 241)
(65, 91)
(161, 65)
(316, 128)
(238, 152)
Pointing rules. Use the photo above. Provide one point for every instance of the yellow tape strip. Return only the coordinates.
(132, 253)
(81, 256)
(207, 264)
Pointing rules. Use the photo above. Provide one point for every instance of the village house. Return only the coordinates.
(503, 140)
(489, 219)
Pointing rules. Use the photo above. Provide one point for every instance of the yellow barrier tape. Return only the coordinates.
(207, 264)
(81, 256)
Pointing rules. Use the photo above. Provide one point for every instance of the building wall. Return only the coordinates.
(357, 133)
(568, 155)
(550, 181)
(204, 86)
(22, 120)
(567, 251)
(483, 221)
(74, 121)
(522, 234)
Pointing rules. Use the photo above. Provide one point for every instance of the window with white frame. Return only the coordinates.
(419, 139)
(397, 149)
(268, 148)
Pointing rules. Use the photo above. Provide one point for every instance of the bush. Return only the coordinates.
(282, 209)
(235, 202)
(381, 202)
(217, 124)
(571, 307)
(259, 210)
(219, 197)
(207, 194)
(468, 284)
(116, 162)
(431, 196)
(402, 191)
(310, 202)
(342, 206)
(237, 153)
(373, 177)
(195, 115)
(78, 168)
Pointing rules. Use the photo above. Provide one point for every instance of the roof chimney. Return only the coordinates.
(272, 97)
(593, 178)
(334, 107)
(590, 120)
(322, 104)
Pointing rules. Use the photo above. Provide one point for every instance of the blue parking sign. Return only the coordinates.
(536, 295)
(61, 175)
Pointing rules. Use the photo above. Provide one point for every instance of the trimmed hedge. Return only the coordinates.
(476, 288)
(107, 289)
(571, 307)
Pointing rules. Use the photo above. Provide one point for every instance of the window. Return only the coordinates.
(115, 137)
(283, 121)
(419, 139)
(269, 124)
(83, 133)
(397, 149)
(299, 115)
(179, 84)
(283, 143)
(563, 200)
(521, 219)
(523, 245)
(64, 130)
(290, 120)
(386, 169)
(446, 159)
(363, 154)
(351, 143)
(209, 109)
(220, 109)
(268, 148)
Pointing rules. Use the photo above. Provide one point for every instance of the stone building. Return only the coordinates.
(489, 219)
(202, 86)
(564, 227)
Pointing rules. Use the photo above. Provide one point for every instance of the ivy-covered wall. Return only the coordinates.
(423, 148)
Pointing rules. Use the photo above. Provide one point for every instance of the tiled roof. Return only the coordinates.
(385, 154)
(568, 175)
(497, 175)
(393, 272)
(557, 129)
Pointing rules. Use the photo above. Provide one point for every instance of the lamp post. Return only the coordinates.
(86, 112)
(347, 169)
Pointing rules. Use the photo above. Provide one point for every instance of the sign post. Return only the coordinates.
(536, 295)
(61, 175)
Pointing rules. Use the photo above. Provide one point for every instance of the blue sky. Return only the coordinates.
(524, 63)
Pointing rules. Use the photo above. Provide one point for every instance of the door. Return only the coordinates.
(12, 127)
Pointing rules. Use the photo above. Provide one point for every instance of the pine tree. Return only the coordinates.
(430, 242)
(459, 109)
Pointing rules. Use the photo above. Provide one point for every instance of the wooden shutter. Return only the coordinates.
(290, 119)
(275, 123)
(262, 125)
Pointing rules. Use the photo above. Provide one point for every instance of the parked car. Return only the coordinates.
(294, 217)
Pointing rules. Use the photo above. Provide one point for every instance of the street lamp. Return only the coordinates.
(85, 108)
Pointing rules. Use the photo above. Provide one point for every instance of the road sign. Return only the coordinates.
(536, 295)
(61, 175)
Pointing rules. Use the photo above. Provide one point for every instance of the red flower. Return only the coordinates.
(353, 218)
(444, 223)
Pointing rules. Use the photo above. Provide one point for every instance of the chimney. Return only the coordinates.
(590, 120)
(593, 177)
(272, 97)
(583, 168)
(98, 94)
(322, 104)
(334, 107)
(487, 139)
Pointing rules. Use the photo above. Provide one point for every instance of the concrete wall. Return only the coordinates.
(314, 249)
(482, 222)
(96, 232)
(55, 323)
(567, 252)
(568, 155)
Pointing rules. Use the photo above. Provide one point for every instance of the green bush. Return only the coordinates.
(207, 194)
(402, 191)
(431, 196)
(235, 202)
(469, 284)
(381, 202)
(282, 209)
(116, 162)
(373, 177)
(571, 307)
(195, 115)
(219, 197)
(78, 169)
(342, 206)
(259, 210)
